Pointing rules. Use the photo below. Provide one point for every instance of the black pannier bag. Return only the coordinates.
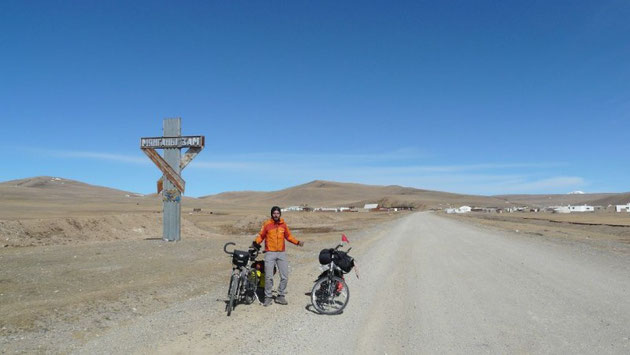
(344, 261)
(240, 258)
(325, 256)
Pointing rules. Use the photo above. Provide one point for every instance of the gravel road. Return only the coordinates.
(427, 284)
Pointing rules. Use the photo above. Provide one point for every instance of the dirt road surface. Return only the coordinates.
(428, 285)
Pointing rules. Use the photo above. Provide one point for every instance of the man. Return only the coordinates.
(274, 231)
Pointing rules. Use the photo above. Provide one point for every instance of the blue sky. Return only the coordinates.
(480, 97)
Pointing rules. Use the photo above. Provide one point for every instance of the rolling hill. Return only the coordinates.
(321, 193)
(45, 195)
(559, 199)
(615, 199)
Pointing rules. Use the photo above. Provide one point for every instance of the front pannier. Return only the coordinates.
(344, 261)
(325, 256)
(240, 258)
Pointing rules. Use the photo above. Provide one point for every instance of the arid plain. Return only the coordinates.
(78, 260)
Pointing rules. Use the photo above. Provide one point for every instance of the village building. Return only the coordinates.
(462, 209)
(583, 208)
(570, 209)
(517, 209)
(484, 209)
(326, 209)
(369, 207)
(622, 208)
(401, 208)
(561, 209)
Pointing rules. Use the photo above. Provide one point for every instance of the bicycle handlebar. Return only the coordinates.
(340, 245)
(253, 253)
(225, 248)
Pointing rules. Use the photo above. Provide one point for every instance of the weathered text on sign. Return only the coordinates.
(171, 184)
(172, 142)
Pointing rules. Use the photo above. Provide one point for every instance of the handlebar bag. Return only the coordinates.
(344, 261)
(240, 258)
(326, 256)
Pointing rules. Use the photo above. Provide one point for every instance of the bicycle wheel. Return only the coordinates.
(232, 294)
(227, 304)
(330, 296)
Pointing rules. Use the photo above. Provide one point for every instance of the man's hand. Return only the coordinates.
(301, 243)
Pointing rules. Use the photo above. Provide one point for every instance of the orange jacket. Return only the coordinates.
(274, 235)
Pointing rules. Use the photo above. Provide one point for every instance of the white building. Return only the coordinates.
(463, 209)
(583, 208)
(292, 208)
(623, 208)
(561, 209)
(326, 209)
(371, 206)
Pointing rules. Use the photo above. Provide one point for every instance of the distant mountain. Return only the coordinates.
(45, 196)
(56, 186)
(234, 196)
(321, 193)
(616, 199)
(50, 195)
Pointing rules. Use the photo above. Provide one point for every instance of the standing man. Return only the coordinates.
(274, 231)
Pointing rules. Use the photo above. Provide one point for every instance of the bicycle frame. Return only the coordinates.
(245, 284)
(245, 288)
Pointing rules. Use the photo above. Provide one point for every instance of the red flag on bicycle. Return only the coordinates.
(344, 239)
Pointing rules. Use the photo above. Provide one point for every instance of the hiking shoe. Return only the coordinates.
(267, 302)
(281, 300)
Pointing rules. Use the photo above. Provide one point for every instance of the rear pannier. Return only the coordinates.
(240, 258)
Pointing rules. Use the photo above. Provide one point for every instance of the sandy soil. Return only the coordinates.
(68, 280)
(605, 230)
(428, 285)
(91, 275)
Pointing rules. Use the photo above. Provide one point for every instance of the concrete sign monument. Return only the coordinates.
(171, 184)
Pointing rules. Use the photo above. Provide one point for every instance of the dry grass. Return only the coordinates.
(601, 228)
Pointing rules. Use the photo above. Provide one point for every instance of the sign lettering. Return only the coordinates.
(172, 142)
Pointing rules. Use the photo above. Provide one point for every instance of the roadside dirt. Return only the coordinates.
(428, 285)
(606, 231)
(66, 281)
